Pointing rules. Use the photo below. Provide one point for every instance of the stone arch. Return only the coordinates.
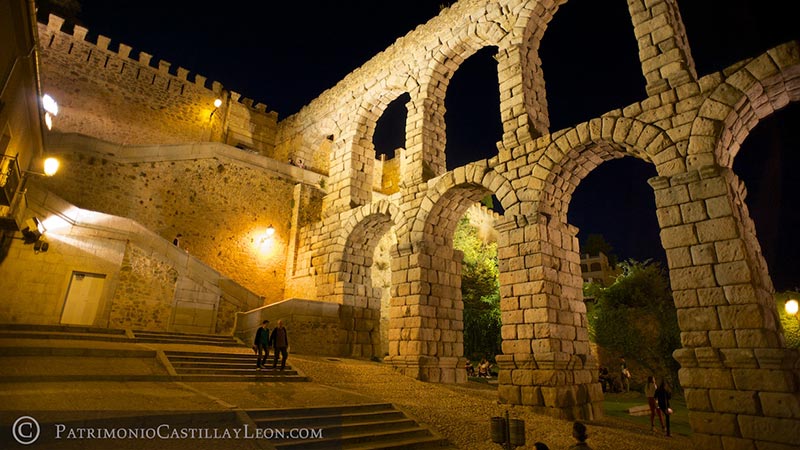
(451, 195)
(353, 158)
(575, 152)
(755, 91)
(487, 28)
(350, 268)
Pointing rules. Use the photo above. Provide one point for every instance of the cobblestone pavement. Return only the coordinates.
(462, 413)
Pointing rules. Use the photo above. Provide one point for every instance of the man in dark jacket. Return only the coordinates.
(261, 345)
(279, 340)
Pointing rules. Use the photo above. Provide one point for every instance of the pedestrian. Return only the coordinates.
(624, 374)
(650, 392)
(580, 434)
(663, 395)
(261, 345)
(279, 340)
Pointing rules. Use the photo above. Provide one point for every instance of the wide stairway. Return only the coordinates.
(365, 426)
(65, 354)
(30, 352)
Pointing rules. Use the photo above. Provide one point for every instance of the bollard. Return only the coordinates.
(510, 433)
(516, 432)
(498, 430)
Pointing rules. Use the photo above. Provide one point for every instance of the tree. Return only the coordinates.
(636, 317)
(480, 292)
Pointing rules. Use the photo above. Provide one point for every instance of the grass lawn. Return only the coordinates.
(616, 405)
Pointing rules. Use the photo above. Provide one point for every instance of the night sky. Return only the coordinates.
(284, 54)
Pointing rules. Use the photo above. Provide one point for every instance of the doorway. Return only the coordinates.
(83, 298)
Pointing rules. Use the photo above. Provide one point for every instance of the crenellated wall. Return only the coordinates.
(109, 95)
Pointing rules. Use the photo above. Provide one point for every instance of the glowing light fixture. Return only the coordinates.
(270, 232)
(217, 103)
(791, 307)
(50, 105)
(50, 166)
(51, 110)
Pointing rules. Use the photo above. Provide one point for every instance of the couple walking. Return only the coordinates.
(278, 340)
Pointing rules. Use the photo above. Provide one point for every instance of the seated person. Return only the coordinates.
(483, 369)
(470, 369)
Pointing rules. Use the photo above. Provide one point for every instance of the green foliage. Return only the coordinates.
(790, 324)
(480, 291)
(636, 317)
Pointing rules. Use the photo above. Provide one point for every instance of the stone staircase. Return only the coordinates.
(361, 427)
(168, 337)
(210, 366)
(62, 332)
(138, 355)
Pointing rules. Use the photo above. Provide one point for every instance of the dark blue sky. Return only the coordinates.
(284, 54)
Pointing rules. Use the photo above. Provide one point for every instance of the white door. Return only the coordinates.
(83, 298)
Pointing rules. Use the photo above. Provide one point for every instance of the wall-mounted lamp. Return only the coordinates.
(50, 167)
(267, 236)
(51, 110)
(217, 104)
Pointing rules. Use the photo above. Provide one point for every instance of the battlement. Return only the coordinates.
(53, 36)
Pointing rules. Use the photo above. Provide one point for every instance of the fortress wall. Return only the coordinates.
(112, 96)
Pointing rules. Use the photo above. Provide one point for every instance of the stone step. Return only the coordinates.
(63, 335)
(317, 411)
(371, 440)
(234, 371)
(209, 357)
(192, 341)
(243, 365)
(323, 420)
(175, 334)
(360, 426)
(60, 328)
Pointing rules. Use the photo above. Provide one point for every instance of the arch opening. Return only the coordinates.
(765, 166)
(579, 89)
(472, 115)
(390, 129)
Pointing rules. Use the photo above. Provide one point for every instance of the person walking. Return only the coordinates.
(279, 340)
(663, 395)
(650, 392)
(261, 345)
(624, 374)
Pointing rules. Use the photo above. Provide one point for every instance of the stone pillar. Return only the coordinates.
(663, 47)
(546, 362)
(740, 381)
(350, 175)
(426, 328)
(523, 103)
(424, 157)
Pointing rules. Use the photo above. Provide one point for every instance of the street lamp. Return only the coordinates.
(791, 307)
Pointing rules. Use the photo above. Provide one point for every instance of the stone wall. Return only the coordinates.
(109, 95)
(143, 298)
(221, 208)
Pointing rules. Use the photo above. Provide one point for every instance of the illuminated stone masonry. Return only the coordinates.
(740, 379)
